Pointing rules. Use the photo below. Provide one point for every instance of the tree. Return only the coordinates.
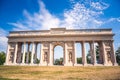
(79, 60)
(37, 61)
(61, 61)
(58, 61)
(2, 58)
(118, 55)
(88, 57)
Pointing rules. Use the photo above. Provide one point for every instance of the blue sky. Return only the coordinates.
(45, 14)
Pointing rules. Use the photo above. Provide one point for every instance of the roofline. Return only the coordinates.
(60, 28)
(60, 35)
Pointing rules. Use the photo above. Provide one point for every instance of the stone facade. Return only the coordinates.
(19, 54)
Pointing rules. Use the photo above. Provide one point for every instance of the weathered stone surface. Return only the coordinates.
(65, 38)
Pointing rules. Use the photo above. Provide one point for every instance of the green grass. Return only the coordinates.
(7, 79)
(59, 73)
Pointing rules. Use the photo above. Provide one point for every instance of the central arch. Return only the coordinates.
(58, 55)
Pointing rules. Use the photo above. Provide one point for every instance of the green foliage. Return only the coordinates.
(37, 61)
(97, 53)
(88, 57)
(7, 79)
(118, 55)
(58, 61)
(79, 60)
(2, 58)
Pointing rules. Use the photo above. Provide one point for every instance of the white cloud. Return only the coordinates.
(99, 5)
(81, 17)
(118, 19)
(82, 14)
(112, 20)
(3, 40)
(41, 20)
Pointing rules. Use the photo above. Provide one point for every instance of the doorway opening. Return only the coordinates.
(58, 55)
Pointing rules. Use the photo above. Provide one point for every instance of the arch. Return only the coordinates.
(58, 50)
(62, 44)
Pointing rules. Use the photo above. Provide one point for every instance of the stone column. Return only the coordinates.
(91, 52)
(33, 51)
(24, 50)
(15, 54)
(19, 56)
(104, 54)
(75, 59)
(66, 55)
(83, 54)
(50, 54)
(94, 53)
(113, 54)
(27, 59)
(7, 55)
(41, 54)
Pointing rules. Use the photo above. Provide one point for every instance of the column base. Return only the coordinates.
(6, 64)
(85, 64)
(12, 64)
(75, 64)
(115, 64)
(107, 64)
(69, 64)
(94, 64)
(43, 64)
(50, 64)
(23, 64)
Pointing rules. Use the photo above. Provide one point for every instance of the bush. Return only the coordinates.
(2, 58)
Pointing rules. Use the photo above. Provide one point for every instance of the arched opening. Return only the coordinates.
(58, 55)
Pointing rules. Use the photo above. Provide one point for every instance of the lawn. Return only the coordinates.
(59, 73)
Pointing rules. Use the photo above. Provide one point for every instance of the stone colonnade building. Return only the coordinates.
(49, 39)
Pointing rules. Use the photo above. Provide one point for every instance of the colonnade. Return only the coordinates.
(18, 56)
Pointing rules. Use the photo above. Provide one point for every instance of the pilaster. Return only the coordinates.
(104, 54)
(50, 54)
